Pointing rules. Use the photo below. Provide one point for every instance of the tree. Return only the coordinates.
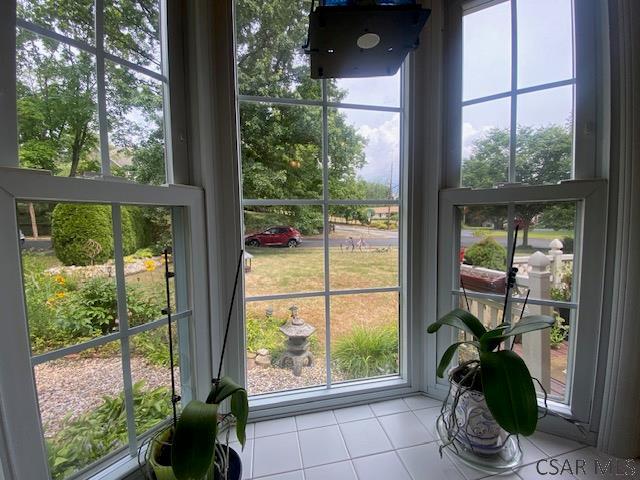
(543, 156)
(281, 144)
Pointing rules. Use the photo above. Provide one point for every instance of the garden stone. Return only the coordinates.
(263, 360)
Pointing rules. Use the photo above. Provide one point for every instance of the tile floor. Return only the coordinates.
(390, 440)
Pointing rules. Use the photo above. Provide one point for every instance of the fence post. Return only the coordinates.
(536, 347)
(555, 250)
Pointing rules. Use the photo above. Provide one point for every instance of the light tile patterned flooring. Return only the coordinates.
(389, 440)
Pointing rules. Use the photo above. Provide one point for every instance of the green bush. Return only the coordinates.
(558, 332)
(154, 346)
(93, 435)
(93, 309)
(129, 239)
(141, 225)
(367, 352)
(487, 253)
(82, 233)
(43, 292)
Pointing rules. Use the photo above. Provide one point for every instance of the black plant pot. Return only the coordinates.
(235, 467)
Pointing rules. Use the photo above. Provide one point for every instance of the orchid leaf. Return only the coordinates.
(192, 452)
(226, 388)
(462, 320)
(448, 355)
(509, 391)
(490, 340)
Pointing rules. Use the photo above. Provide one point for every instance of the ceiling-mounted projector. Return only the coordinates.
(351, 38)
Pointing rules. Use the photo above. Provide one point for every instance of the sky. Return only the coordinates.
(544, 55)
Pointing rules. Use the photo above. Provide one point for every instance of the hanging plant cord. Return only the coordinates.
(167, 311)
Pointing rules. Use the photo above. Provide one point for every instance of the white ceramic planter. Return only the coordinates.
(478, 430)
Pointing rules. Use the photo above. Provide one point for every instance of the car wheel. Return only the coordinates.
(292, 243)
(253, 243)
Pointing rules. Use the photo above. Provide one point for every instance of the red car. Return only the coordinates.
(275, 237)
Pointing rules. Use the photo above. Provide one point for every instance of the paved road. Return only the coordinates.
(385, 238)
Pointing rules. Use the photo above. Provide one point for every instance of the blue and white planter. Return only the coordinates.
(478, 430)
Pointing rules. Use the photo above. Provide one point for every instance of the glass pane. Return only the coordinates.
(488, 311)
(485, 143)
(483, 248)
(71, 18)
(486, 47)
(546, 352)
(380, 91)
(363, 249)
(132, 31)
(545, 251)
(151, 376)
(364, 154)
(269, 40)
(69, 276)
(269, 368)
(82, 408)
(545, 41)
(57, 116)
(136, 125)
(147, 232)
(284, 250)
(545, 136)
(364, 335)
(281, 151)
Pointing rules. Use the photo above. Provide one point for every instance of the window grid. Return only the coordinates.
(514, 91)
(100, 57)
(326, 201)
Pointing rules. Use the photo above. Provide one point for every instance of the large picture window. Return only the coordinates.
(322, 191)
(513, 106)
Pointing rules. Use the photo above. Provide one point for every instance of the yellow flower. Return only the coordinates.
(59, 279)
(60, 294)
(150, 265)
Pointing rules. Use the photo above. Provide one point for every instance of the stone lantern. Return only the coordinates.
(297, 351)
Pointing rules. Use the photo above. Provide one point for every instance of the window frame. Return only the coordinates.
(264, 405)
(588, 186)
(18, 395)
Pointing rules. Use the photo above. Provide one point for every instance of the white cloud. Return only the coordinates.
(382, 150)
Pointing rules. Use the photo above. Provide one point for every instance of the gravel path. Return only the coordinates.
(274, 379)
(73, 386)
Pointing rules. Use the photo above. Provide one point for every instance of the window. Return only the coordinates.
(322, 179)
(92, 88)
(517, 91)
(84, 280)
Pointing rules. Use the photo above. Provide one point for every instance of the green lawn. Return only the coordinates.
(542, 234)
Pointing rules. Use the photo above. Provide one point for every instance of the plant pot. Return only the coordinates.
(477, 429)
(160, 460)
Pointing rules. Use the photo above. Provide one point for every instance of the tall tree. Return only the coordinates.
(543, 156)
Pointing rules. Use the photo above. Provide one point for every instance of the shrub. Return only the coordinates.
(487, 253)
(93, 308)
(154, 346)
(559, 331)
(367, 352)
(94, 434)
(82, 233)
(129, 239)
(567, 244)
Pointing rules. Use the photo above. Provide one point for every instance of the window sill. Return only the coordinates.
(312, 399)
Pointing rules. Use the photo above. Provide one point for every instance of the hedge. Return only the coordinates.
(82, 234)
(488, 254)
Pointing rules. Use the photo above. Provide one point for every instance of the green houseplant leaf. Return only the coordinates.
(509, 391)
(448, 355)
(461, 319)
(194, 440)
(490, 340)
(226, 388)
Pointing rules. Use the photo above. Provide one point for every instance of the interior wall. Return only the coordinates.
(620, 418)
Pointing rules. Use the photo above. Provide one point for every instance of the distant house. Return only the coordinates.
(377, 213)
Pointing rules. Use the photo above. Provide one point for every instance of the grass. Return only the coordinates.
(541, 234)
(289, 270)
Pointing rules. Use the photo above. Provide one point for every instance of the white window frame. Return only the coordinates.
(588, 188)
(270, 400)
(22, 451)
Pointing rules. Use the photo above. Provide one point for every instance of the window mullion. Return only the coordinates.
(101, 89)
(325, 232)
(123, 324)
(514, 95)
